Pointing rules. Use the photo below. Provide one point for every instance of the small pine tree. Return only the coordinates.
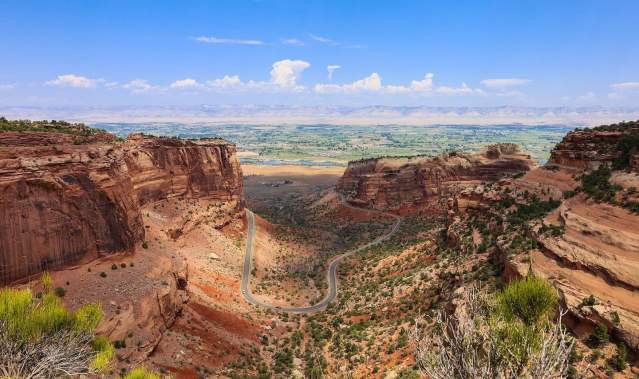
(600, 337)
(620, 360)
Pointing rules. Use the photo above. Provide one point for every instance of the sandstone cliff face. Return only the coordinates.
(590, 148)
(63, 203)
(407, 184)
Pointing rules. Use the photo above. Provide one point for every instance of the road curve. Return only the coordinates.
(331, 274)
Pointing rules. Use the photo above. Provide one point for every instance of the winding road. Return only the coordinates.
(331, 274)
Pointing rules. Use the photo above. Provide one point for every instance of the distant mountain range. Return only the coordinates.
(378, 114)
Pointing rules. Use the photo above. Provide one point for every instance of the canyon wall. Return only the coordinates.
(406, 184)
(589, 148)
(63, 202)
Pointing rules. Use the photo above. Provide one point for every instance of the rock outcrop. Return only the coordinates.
(589, 148)
(406, 184)
(64, 202)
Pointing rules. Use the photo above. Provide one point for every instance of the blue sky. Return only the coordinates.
(475, 53)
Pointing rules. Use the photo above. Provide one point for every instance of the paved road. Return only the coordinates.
(331, 274)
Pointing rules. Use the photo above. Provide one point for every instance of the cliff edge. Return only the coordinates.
(66, 199)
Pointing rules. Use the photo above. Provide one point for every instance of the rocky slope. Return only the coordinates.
(64, 201)
(585, 241)
(406, 184)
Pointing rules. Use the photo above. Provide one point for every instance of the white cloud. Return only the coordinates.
(324, 40)
(425, 84)
(331, 69)
(286, 73)
(504, 83)
(463, 90)
(371, 83)
(228, 41)
(185, 83)
(292, 41)
(6, 87)
(139, 86)
(625, 86)
(76, 81)
(227, 82)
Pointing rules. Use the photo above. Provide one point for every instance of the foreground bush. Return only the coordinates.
(141, 373)
(39, 338)
(508, 335)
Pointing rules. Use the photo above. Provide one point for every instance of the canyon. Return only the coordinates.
(153, 228)
(63, 203)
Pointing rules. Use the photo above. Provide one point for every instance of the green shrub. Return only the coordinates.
(145, 245)
(620, 360)
(589, 301)
(600, 336)
(530, 300)
(103, 274)
(33, 328)
(114, 267)
(533, 210)
(597, 184)
(60, 292)
(141, 373)
(626, 148)
(123, 265)
(615, 318)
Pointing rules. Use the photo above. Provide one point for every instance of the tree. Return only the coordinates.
(488, 338)
(39, 338)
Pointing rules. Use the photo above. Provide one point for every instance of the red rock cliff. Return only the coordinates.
(409, 183)
(588, 148)
(62, 203)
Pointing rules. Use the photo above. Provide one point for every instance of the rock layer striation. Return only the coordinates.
(63, 203)
(407, 184)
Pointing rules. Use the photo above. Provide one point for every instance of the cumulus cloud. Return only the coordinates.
(185, 83)
(331, 69)
(287, 72)
(139, 86)
(625, 86)
(228, 41)
(292, 41)
(373, 84)
(425, 84)
(227, 82)
(76, 81)
(285, 75)
(504, 82)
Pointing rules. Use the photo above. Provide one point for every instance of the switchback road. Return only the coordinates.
(331, 274)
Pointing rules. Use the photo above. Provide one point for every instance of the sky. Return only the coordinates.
(351, 53)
